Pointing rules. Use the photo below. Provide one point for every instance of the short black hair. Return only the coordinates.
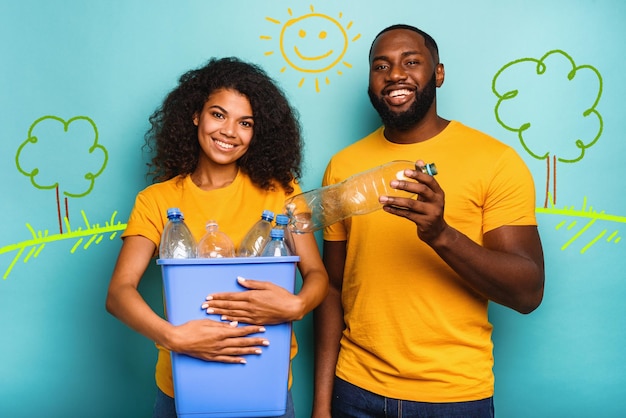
(429, 40)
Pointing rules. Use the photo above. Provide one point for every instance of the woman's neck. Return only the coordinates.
(214, 177)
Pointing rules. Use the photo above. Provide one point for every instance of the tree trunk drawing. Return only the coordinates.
(553, 171)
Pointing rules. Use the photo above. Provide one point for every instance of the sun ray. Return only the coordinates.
(301, 82)
(268, 53)
(271, 19)
(266, 37)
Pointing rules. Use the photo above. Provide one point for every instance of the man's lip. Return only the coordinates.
(398, 96)
(388, 91)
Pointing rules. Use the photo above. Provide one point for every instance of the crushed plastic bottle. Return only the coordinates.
(357, 195)
(215, 243)
(276, 246)
(256, 238)
(177, 241)
(282, 222)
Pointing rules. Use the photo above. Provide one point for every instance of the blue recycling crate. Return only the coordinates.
(205, 389)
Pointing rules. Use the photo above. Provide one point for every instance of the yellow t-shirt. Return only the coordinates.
(235, 207)
(414, 330)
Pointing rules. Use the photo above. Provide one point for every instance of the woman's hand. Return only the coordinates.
(262, 303)
(217, 341)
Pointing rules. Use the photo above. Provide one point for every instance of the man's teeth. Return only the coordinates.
(223, 144)
(396, 93)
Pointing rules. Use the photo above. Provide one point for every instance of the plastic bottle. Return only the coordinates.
(215, 243)
(356, 195)
(256, 238)
(177, 241)
(282, 222)
(276, 246)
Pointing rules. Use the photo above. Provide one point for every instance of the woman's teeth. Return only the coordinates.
(223, 144)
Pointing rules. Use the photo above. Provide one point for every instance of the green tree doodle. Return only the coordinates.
(551, 103)
(61, 155)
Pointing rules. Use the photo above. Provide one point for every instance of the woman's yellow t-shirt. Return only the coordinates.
(235, 207)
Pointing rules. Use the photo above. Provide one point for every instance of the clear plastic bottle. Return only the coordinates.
(255, 239)
(276, 246)
(282, 222)
(356, 195)
(177, 241)
(215, 243)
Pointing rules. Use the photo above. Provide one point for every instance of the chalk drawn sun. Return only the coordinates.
(314, 44)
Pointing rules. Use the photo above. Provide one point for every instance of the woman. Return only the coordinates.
(227, 146)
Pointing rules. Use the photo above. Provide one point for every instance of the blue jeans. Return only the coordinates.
(352, 401)
(165, 407)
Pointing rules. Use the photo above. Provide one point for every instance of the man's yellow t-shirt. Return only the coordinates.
(414, 329)
(235, 207)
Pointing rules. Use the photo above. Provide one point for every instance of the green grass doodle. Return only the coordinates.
(94, 234)
(591, 217)
(85, 236)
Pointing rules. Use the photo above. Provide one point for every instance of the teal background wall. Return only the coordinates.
(84, 76)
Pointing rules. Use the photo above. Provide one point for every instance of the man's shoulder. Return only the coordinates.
(357, 147)
(459, 129)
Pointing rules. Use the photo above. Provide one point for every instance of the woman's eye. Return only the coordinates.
(218, 115)
(246, 124)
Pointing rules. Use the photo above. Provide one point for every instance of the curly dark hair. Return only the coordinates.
(275, 152)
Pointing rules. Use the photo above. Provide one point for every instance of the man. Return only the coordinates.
(404, 330)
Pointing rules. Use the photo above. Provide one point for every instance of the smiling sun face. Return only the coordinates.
(313, 43)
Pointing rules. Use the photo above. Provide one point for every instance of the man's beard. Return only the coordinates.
(404, 121)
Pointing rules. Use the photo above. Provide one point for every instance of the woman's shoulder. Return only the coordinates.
(173, 184)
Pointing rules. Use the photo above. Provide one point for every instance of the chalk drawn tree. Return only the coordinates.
(64, 156)
(551, 103)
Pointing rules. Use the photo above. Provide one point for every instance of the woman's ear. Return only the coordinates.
(195, 119)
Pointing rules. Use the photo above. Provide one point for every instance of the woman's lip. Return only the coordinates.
(223, 144)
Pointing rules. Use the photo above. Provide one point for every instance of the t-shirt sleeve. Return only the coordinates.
(145, 219)
(336, 231)
(511, 194)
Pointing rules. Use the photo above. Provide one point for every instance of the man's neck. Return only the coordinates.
(420, 132)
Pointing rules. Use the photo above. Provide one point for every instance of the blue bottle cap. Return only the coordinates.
(277, 233)
(174, 212)
(282, 219)
(268, 214)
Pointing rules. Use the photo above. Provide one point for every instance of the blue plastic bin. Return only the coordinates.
(212, 389)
